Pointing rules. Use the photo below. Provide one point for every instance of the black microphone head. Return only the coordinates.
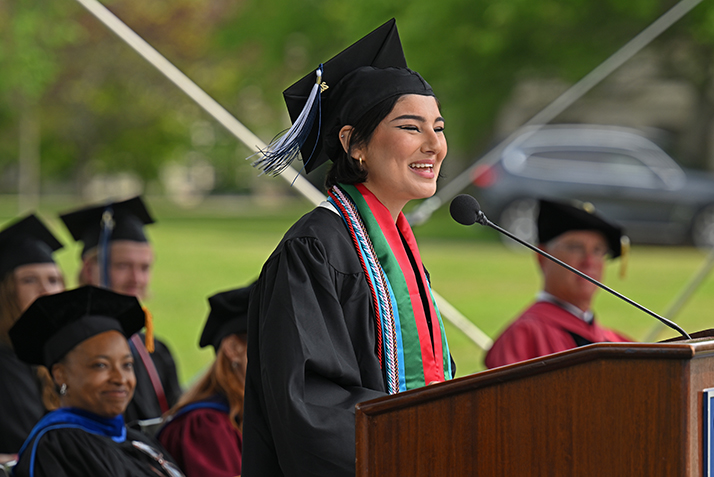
(465, 209)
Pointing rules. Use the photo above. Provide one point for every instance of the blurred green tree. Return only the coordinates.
(31, 32)
(103, 109)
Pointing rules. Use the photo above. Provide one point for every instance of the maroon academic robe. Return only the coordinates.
(204, 443)
(542, 329)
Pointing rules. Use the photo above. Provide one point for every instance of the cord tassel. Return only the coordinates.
(284, 149)
(149, 325)
(105, 236)
(624, 255)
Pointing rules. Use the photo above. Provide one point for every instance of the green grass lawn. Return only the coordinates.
(223, 245)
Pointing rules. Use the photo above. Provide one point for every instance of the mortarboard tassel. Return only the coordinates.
(105, 234)
(149, 325)
(624, 254)
(283, 150)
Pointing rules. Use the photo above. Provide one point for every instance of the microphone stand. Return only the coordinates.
(483, 220)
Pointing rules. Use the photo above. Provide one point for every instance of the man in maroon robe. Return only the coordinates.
(561, 317)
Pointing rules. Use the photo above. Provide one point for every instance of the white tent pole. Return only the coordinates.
(681, 299)
(185, 84)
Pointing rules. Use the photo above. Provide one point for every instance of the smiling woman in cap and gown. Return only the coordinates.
(203, 432)
(561, 318)
(342, 312)
(117, 255)
(81, 336)
(27, 271)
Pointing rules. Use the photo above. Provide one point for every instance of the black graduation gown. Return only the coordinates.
(311, 354)
(145, 404)
(20, 401)
(70, 452)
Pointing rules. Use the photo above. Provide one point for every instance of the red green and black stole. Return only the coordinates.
(412, 345)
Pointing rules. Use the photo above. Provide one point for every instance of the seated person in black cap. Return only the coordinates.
(117, 255)
(81, 336)
(203, 433)
(561, 317)
(343, 311)
(27, 271)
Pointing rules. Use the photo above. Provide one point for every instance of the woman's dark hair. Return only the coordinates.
(346, 169)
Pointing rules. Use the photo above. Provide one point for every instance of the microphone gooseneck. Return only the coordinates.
(467, 211)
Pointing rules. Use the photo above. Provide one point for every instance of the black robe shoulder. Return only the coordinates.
(311, 354)
(20, 401)
(69, 452)
(145, 404)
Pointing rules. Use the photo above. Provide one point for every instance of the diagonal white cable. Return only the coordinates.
(422, 213)
(243, 134)
(461, 322)
(684, 295)
(185, 84)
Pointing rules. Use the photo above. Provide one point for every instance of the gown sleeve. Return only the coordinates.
(316, 355)
(166, 367)
(145, 404)
(20, 401)
(203, 442)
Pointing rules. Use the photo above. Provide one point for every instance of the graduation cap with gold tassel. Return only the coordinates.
(338, 93)
(558, 217)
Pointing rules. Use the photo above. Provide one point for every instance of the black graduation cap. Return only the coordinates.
(556, 218)
(339, 93)
(54, 324)
(24, 242)
(228, 315)
(127, 217)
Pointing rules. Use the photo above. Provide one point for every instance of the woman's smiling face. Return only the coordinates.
(99, 374)
(404, 155)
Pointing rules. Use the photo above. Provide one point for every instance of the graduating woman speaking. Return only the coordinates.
(343, 311)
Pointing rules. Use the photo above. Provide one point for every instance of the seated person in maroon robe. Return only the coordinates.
(203, 432)
(561, 317)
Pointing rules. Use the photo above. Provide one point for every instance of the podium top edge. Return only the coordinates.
(698, 347)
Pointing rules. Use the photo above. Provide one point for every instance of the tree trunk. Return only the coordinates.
(28, 190)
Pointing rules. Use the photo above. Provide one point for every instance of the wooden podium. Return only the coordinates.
(610, 409)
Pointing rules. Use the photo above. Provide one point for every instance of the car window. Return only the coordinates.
(591, 166)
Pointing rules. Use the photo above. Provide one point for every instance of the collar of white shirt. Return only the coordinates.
(586, 316)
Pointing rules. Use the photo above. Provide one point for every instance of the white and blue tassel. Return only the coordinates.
(284, 149)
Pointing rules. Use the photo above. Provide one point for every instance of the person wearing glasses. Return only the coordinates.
(81, 337)
(561, 317)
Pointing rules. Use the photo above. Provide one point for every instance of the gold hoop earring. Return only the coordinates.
(360, 161)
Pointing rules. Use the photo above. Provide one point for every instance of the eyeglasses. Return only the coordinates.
(167, 466)
(580, 251)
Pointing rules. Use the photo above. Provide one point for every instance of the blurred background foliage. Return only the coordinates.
(79, 108)
(83, 117)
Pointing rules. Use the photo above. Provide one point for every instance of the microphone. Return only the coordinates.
(467, 211)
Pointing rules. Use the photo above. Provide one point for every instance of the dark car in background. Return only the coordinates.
(623, 174)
